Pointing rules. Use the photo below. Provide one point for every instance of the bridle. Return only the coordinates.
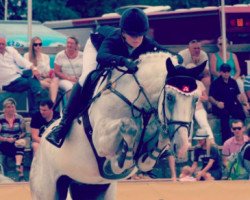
(166, 121)
(145, 114)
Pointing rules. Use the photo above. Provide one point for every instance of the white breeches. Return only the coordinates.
(89, 61)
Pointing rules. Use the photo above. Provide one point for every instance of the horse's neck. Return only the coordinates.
(152, 78)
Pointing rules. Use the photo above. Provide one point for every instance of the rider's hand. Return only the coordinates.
(131, 66)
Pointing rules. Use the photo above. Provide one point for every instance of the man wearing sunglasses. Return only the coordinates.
(234, 144)
(12, 78)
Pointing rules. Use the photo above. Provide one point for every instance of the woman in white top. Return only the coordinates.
(41, 61)
(68, 65)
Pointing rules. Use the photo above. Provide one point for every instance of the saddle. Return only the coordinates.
(89, 88)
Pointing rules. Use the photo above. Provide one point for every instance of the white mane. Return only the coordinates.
(151, 75)
(152, 70)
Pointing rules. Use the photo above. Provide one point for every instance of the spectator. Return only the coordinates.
(216, 60)
(41, 62)
(68, 65)
(233, 144)
(193, 56)
(41, 120)
(246, 153)
(13, 79)
(225, 99)
(209, 156)
(118, 49)
(12, 129)
(200, 114)
(247, 86)
(186, 174)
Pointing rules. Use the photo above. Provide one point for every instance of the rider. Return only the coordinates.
(119, 48)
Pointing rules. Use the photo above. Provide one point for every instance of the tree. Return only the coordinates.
(47, 10)
(17, 9)
(42, 10)
(94, 8)
(52, 10)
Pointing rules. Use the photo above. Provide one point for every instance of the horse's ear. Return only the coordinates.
(170, 67)
(196, 71)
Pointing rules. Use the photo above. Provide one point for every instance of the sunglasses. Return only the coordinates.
(236, 128)
(37, 44)
(219, 44)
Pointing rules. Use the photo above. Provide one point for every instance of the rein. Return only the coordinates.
(145, 114)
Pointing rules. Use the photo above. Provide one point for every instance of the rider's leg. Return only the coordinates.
(76, 103)
(79, 100)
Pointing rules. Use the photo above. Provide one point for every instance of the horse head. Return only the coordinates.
(177, 104)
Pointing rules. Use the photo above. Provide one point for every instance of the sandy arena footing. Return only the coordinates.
(155, 190)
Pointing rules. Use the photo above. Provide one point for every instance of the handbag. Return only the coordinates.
(20, 143)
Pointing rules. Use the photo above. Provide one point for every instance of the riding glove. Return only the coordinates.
(131, 66)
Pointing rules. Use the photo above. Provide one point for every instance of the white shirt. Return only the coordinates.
(43, 64)
(187, 58)
(71, 67)
(11, 63)
(89, 61)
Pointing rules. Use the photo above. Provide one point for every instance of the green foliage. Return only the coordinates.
(45, 10)
(236, 167)
(52, 10)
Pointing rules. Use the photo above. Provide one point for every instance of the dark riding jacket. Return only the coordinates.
(114, 49)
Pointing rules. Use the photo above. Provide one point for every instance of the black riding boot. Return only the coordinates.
(75, 105)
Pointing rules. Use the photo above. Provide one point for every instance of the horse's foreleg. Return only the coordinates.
(147, 161)
(124, 155)
(125, 158)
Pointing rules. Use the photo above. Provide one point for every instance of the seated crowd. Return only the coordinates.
(220, 85)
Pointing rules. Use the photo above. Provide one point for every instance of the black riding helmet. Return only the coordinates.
(134, 22)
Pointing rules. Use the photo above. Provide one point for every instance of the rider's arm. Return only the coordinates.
(89, 60)
(111, 52)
